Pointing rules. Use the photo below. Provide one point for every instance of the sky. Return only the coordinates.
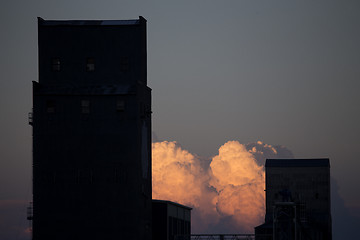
(281, 72)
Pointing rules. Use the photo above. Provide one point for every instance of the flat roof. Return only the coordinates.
(90, 22)
(171, 203)
(310, 162)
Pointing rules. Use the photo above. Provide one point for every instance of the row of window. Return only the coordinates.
(178, 227)
(85, 177)
(90, 64)
(279, 196)
(85, 106)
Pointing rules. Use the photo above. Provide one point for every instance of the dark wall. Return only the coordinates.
(170, 220)
(305, 183)
(91, 146)
(160, 221)
(118, 51)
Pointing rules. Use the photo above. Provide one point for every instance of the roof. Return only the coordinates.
(313, 162)
(171, 203)
(90, 22)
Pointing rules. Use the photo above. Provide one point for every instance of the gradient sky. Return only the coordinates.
(283, 72)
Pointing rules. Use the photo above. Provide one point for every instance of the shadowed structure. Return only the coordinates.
(170, 220)
(92, 131)
(298, 202)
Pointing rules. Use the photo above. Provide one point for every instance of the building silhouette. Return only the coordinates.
(92, 131)
(170, 220)
(298, 202)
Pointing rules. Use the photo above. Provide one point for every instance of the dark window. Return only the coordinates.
(90, 64)
(78, 176)
(120, 175)
(182, 224)
(175, 222)
(124, 64)
(56, 64)
(84, 176)
(171, 228)
(50, 106)
(48, 177)
(188, 232)
(120, 105)
(85, 106)
(91, 176)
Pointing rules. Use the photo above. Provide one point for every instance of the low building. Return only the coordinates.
(170, 219)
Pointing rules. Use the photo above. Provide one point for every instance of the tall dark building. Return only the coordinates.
(92, 131)
(298, 204)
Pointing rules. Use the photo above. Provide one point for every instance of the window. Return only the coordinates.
(316, 195)
(91, 176)
(120, 105)
(48, 177)
(85, 106)
(171, 228)
(56, 64)
(120, 175)
(50, 106)
(83, 176)
(124, 64)
(90, 64)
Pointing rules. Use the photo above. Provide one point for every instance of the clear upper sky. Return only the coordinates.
(283, 72)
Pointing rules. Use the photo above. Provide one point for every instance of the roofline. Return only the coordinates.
(298, 162)
(172, 203)
(43, 22)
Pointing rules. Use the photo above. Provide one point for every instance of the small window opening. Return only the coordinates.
(90, 64)
(56, 64)
(124, 64)
(78, 176)
(50, 106)
(120, 105)
(85, 106)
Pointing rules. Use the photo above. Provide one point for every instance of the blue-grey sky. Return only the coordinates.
(283, 72)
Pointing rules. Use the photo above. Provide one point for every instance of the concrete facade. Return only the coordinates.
(92, 131)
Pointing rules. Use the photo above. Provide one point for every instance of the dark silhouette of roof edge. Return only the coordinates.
(297, 162)
(44, 22)
(172, 203)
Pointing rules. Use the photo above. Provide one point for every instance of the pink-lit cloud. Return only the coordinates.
(229, 191)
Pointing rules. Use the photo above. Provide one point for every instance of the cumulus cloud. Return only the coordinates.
(179, 176)
(244, 204)
(239, 182)
(262, 151)
(227, 194)
(176, 174)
